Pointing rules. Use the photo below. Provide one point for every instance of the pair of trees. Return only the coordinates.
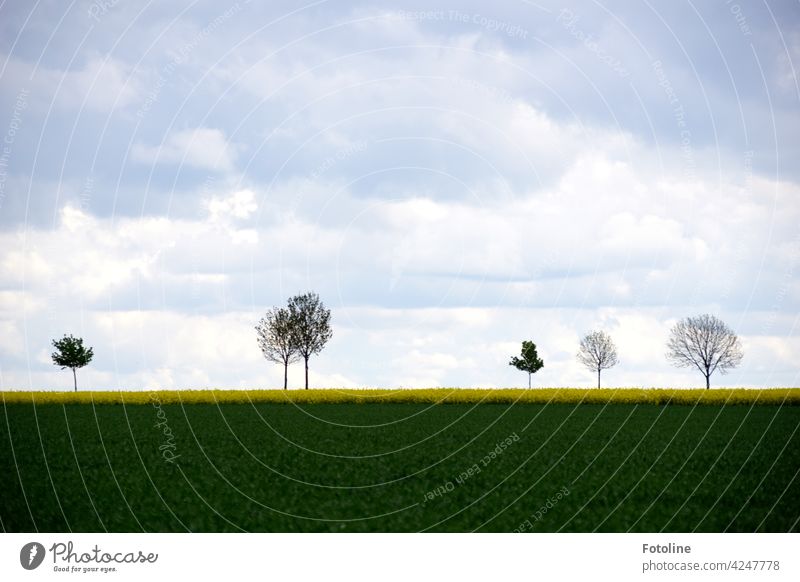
(597, 353)
(703, 342)
(297, 331)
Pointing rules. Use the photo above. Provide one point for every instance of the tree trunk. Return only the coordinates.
(529, 380)
(285, 374)
(708, 381)
(306, 373)
(75, 379)
(598, 377)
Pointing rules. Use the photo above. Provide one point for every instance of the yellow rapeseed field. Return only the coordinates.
(745, 396)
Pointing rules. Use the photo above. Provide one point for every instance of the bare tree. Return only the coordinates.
(706, 343)
(311, 325)
(275, 339)
(597, 352)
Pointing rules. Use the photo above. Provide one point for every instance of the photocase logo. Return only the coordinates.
(31, 555)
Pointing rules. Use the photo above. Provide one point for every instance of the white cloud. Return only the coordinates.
(102, 83)
(228, 212)
(649, 238)
(11, 340)
(88, 257)
(18, 263)
(13, 303)
(202, 147)
(238, 206)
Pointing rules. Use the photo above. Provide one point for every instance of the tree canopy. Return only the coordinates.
(706, 343)
(70, 353)
(597, 352)
(529, 361)
(275, 335)
(311, 325)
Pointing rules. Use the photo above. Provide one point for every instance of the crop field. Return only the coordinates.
(748, 396)
(262, 466)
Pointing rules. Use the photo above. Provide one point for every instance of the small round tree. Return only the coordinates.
(530, 361)
(70, 353)
(597, 352)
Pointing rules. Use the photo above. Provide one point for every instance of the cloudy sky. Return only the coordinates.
(452, 178)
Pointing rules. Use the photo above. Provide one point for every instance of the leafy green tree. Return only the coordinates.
(274, 336)
(311, 325)
(70, 353)
(530, 361)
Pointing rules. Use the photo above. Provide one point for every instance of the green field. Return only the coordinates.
(399, 467)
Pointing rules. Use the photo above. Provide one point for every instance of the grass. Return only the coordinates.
(746, 396)
(399, 467)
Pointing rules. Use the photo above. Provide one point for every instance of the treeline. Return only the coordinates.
(302, 328)
(703, 342)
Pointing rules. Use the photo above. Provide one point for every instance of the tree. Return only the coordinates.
(274, 336)
(597, 352)
(529, 362)
(706, 343)
(71, 354)
(311, 325)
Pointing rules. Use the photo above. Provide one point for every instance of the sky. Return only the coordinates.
(452, 178)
